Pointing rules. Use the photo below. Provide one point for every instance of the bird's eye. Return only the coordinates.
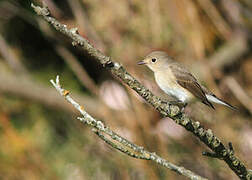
(153, 60)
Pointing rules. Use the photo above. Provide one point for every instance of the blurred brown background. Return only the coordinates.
(39, 134)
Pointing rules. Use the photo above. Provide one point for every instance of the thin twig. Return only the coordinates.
(206, 136)
(26, 88)
(122, 144)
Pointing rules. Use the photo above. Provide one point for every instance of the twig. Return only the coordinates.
(215, 155)
(122, 144)
(206, 136)
(24, 87)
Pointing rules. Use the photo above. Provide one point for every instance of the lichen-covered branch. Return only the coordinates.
(118, 142)
(205, 135)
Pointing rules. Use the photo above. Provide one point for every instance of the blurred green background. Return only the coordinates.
(39, 134)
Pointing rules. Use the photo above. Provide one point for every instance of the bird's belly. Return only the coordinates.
(178, 93)
(172, 88)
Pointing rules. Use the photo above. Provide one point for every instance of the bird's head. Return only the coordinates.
(156, 60)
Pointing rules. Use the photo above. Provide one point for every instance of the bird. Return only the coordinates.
(178, 82)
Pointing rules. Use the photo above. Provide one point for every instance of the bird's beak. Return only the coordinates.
(141, 63)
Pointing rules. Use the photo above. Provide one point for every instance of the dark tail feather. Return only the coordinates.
(228, 105)
(215, 99)
(206, 102)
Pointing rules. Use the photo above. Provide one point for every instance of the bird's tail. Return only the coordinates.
(217, 100)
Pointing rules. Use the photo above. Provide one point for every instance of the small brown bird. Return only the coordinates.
(176, 81)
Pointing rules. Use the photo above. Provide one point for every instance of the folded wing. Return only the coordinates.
(189, 82)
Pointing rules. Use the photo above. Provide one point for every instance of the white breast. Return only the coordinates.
(170, 86)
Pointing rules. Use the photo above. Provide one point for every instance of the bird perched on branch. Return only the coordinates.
(176, 81)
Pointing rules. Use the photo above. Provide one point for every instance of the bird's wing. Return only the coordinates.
(188, 81)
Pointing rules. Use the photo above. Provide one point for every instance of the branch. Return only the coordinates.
(121, 144)
(167, 110)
